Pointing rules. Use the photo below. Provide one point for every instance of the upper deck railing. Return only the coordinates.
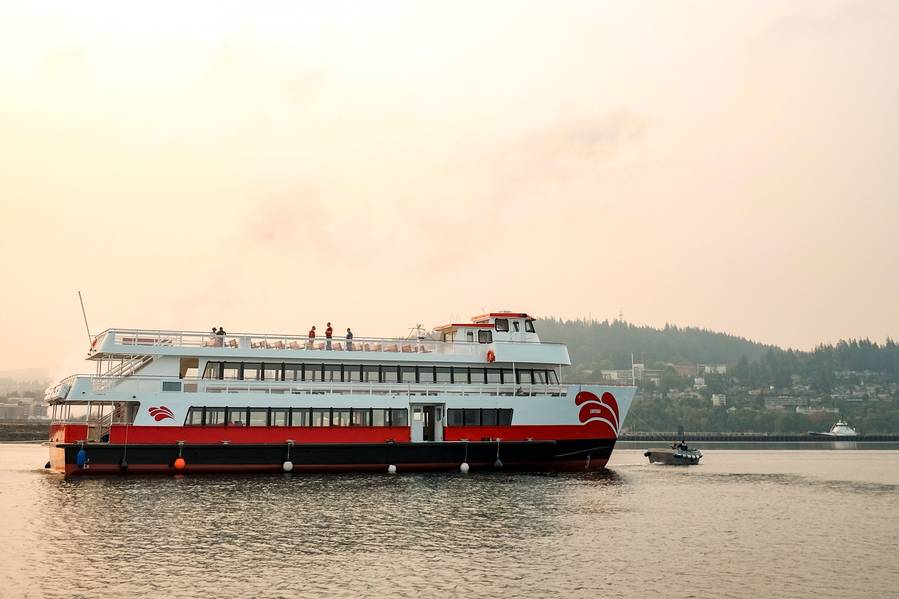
(114, 340)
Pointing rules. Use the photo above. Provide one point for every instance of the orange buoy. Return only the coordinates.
(180, 463)
(491, 357)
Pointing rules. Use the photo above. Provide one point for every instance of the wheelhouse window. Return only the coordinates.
(469, 336)
(502, 325)
(258, 417)
(525, 376)
(529, 326)
(485, 336)
(553, 379)
(540, 377)
(516, 326)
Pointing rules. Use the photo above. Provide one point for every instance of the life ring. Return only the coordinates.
(491, 357)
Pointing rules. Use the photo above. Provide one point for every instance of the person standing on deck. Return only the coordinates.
(349, 339)
(311, 341)
(329, 332)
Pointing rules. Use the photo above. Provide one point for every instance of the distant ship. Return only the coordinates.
(840, 429)
(486, 395)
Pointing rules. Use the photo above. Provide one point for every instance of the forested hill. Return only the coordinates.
(609, 345)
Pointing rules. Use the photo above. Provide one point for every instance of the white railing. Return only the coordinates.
(242, 341)
(101, 385)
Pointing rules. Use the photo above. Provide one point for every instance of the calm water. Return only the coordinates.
(743, 524)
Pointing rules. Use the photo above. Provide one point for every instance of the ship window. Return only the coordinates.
(488, 417)
(478, 376)
(171, 385)
(469, 336)
(502, 325)
(461, 374)
(252, 371)
(529, 326)
(493, 375)
(390, 374)
(300, 417)
(506, 375)
(525, 377)
(443, 374)
(361, 417)
(399, 417)
(321, 417)
(425, 374)
(516, 325)
(472, 417)
(454, 417)
(312, 372)
(215, 416)
(540, 377)
(332, 372)
(230, 370)
(485, 336)
(279, 416)
(553, 379)
(258, 417)
(237, 416)
(271, 372)
(370, 373)
(504, 417)
(189, 368)
(213, 370)
(290, 372)
(408, 374)
(340, 417)
(448, 336)
(379, 417)
(194, 417)
(352, 373)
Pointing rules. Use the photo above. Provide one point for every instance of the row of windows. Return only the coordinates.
(244, 416)
(375, 373)
(502, 325)
(479, 417)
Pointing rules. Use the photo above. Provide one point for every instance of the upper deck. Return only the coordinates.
(118, 343)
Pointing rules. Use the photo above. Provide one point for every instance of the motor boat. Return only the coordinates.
(676, 455)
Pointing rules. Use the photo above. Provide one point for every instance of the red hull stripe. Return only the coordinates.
(137, 435)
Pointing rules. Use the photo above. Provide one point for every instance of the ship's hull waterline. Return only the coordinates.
(538, 456)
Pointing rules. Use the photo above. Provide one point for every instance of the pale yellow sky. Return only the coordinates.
(732, 165)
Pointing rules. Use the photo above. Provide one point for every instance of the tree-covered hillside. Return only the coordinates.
(608, 345)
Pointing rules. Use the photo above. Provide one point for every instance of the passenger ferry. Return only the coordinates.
(483, 395)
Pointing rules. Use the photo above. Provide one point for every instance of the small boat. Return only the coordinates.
(676, 455)
(840, 429)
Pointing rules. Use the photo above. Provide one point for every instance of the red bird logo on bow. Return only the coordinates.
(601, 411)
(161, 413)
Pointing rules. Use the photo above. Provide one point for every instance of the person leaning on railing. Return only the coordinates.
(349, 339)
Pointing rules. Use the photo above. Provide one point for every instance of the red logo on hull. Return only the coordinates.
(161, 413)
(604, 412)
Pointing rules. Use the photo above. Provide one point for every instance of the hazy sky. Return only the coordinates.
(266, 166)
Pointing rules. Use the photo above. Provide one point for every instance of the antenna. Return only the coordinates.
(90, 338)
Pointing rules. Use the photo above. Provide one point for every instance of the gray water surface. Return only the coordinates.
(743, 524)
